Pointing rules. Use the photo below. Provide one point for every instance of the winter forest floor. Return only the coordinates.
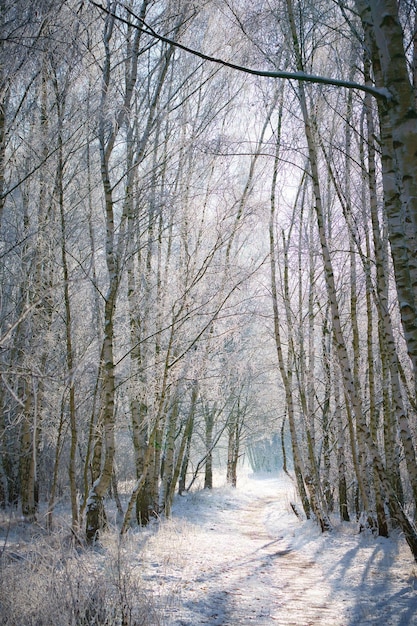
(227, 557)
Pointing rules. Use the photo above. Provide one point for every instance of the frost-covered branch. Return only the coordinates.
(380, 93)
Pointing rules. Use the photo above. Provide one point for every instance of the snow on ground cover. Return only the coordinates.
(241, 557)
(227, 557)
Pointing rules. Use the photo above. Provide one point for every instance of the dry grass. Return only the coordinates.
(47, 581)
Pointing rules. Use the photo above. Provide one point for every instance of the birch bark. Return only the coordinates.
(398, 121)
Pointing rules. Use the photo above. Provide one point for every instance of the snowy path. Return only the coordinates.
(262, 580)
(241, 558)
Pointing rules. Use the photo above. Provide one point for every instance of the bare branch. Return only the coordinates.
(380, 93)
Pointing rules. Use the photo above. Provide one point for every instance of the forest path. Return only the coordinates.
(228, 566)
(273, 582)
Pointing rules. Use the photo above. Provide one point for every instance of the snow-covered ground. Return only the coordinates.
(241, 557)
(227, 557)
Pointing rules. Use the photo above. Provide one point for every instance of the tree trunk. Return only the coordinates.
(179, 461)
(341, 459)
(188, 436)
(29, 438)
(169, 453)
(208, 470)
(395, 217)
(233, 449)
(398, 120)
(285, 370)
(95, 508)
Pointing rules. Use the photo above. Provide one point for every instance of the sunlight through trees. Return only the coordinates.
(208, 231)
